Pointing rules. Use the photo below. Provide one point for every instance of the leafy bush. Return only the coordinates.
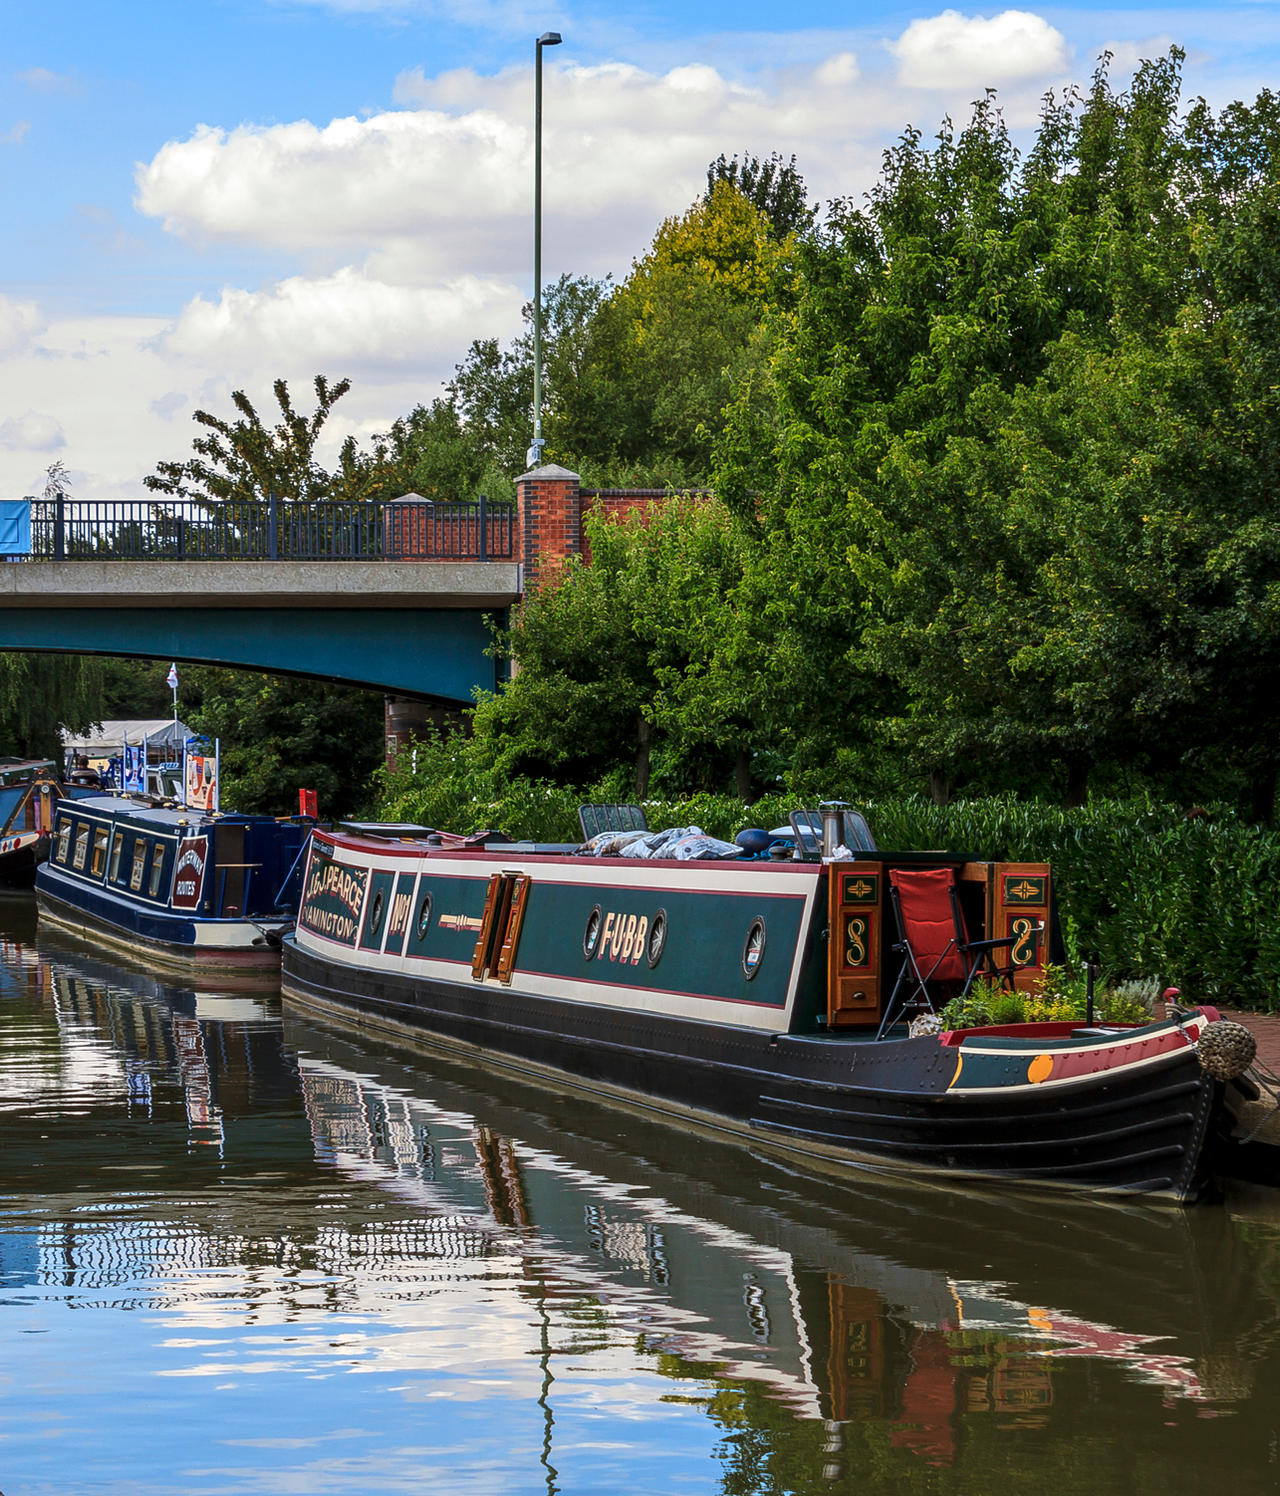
(969, 1012)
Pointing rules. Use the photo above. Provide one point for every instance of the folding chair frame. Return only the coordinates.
(975, 953)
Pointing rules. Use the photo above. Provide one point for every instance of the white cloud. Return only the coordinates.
(41, 80)
(112, 386)
(950, 50)
(838, 71)
(447, 185)
(36, 431)
(19, 321)
(341, 322)
(1127, 55)
(398, 238)
(297, 186)
(168, 406)
(16, 134)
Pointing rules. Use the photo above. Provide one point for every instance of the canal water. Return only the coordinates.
(243, 1254)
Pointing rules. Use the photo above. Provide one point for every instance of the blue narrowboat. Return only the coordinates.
(171, 884)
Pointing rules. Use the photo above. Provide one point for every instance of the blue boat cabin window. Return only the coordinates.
(424, 916)
(137, 871)
(101, 835)
(82, 847)
(157, 867)
(117, 847)
(64, 842)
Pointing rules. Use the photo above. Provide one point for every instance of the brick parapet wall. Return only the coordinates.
(616, 503)
(552, 507)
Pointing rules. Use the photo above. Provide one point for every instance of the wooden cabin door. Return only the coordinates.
(854, 943)
(229, 870)
(1020, 908)
(504, 907)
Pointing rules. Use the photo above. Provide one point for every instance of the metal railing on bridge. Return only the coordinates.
(66, 529)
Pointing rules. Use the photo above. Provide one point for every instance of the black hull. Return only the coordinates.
(18, 868)
(1134, 1132)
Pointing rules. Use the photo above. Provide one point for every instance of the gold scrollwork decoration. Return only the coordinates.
(1025, 949)
(855, 940)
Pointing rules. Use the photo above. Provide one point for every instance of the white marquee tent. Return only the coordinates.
(110, 737)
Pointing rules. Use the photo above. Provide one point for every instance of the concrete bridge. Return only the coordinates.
(392, 596)
(405, 627)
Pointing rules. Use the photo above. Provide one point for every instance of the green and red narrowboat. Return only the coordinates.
(753, 995)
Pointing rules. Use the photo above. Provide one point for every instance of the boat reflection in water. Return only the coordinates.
(848, 1303)
(543, 1294)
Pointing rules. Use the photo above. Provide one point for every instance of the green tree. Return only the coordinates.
(645, 656)
(575, 706)
(1022, 427)
(247, 459)
(42, 694)
(280, 734)
(667, 349)
(775, 187)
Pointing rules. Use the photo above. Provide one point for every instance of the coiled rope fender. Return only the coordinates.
(1225, 1049)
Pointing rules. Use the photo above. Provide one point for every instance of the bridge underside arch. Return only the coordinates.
(435, 654)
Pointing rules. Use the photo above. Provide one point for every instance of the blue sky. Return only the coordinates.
(201, 198)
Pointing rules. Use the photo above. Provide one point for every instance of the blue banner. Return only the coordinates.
(15, 527)
(135, 768)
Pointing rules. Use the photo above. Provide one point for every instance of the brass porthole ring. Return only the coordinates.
(657, 941)
(591, 935)
(753, 948)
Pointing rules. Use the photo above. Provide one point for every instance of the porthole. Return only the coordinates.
(591, 935)
(424, 915)
(657, 941)
(753, 948)
(375, 914)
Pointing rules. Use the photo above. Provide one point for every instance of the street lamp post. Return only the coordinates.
(547, 39)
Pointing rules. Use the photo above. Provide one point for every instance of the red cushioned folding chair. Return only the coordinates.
(934, 943)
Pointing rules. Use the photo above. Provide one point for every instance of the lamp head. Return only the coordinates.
(550, 39)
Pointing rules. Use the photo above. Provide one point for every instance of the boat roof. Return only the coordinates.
(176, 816)
(9, 767)
(386, 828)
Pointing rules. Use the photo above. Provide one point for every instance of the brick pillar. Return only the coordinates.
(549, 505)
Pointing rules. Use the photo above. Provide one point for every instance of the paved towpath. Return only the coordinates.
(1265, 1028)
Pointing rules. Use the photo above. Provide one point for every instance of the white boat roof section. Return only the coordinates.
(114, 735)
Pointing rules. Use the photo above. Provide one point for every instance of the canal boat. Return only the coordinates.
(770, 996)
(29, 789)
(172, 885)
